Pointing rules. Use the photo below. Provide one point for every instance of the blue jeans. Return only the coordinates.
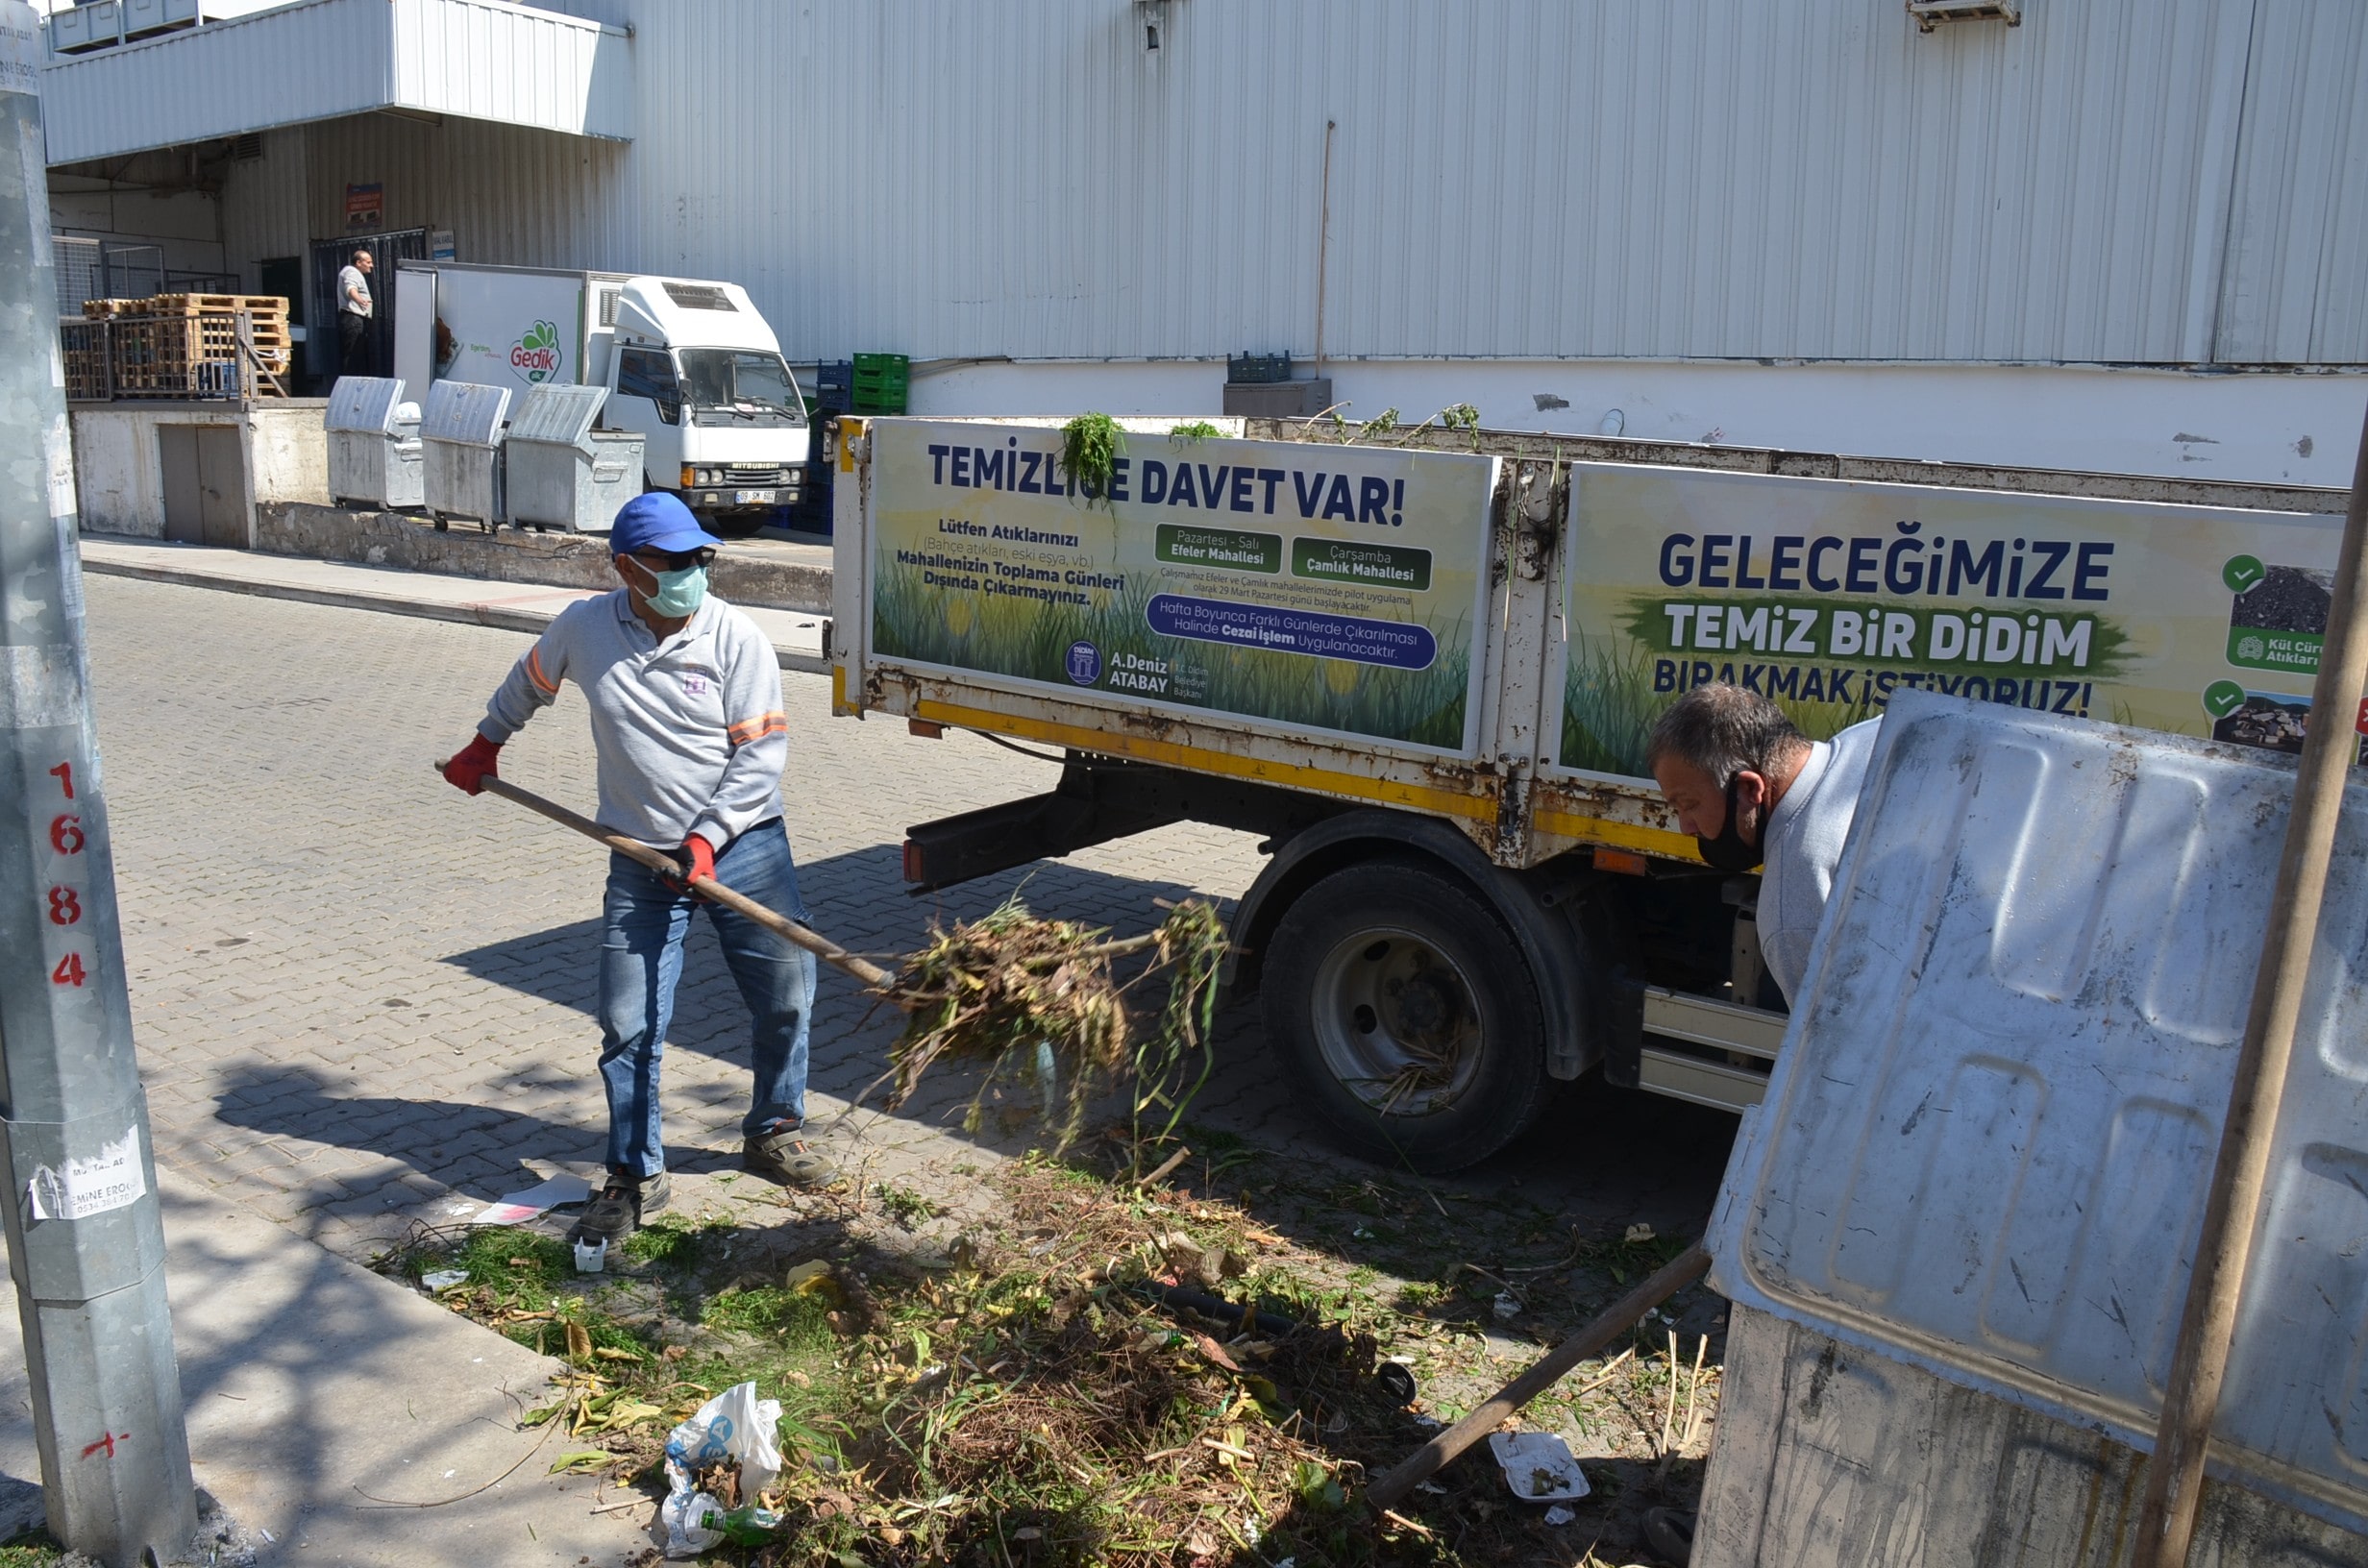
(643, 922)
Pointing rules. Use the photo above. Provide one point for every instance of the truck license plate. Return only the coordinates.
(751, 498)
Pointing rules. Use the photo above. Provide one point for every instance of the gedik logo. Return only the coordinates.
(535, 355)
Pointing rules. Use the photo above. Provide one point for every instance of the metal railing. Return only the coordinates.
(208, 355)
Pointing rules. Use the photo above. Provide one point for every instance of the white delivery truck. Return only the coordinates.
(1422, 669)
(689, 364)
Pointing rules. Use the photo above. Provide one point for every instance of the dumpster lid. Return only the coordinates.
(464, 413)
(362, 404)
(1986, 1141)
(560, 416)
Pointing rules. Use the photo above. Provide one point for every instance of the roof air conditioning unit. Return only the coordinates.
(1931, 14)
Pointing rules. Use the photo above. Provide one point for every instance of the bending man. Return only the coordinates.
(1752, 789)
(685, 693)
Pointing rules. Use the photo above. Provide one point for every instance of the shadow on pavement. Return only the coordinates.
(440, 1139)
(1598, 1160)
(857, 900)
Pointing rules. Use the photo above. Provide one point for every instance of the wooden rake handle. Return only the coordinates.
(1399, 1483)
(706, 886)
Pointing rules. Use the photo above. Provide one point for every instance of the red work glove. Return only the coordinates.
(474, 765)
(698, 856)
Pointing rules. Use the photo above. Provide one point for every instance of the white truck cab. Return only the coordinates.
(698, 372)
(690, 364)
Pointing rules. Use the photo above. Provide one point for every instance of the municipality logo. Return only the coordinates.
(2250, 648)
(535, 355)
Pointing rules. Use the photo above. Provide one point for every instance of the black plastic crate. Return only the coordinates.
(834, 387)
(1255, 369)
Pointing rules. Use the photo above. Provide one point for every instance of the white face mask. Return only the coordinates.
(675, 593)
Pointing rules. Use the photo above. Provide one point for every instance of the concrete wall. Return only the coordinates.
(761, 572)
(118, 468)
(287, 452)
(118, 471)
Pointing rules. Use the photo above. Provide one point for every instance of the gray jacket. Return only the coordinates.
(690, 733)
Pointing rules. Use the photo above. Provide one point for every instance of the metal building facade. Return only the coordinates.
(2166, 182)
(2150, 182)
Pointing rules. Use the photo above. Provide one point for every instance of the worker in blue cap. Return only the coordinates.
(687, 723)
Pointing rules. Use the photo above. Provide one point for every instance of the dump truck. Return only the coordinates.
(690, 365)
(1422, 667)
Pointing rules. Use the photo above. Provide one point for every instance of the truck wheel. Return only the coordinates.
(1406, 1011)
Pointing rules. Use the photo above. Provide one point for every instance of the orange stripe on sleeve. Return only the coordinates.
(757, 728)
(534, 673)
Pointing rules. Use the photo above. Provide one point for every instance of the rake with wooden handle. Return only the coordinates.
(706, 886)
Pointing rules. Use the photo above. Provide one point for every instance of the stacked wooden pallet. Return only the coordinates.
(187, 345)
(85, 343)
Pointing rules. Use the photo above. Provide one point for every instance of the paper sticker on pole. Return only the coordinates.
(111, 1179)
(1318, 589)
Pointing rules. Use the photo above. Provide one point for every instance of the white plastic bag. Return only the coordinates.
(734, 1425)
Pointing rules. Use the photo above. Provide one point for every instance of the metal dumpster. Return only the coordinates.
(461, 457)
(373, 451)
(561, 473)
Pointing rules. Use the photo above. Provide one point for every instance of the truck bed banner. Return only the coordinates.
(1317, 587)
(1829, 596)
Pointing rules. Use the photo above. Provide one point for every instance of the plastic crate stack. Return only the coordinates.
(881, 384)
(834, 390)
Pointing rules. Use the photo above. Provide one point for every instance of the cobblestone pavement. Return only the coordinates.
(356, 990)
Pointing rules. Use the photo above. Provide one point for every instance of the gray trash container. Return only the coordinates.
(561, 473)
(460, 436)
(374, 456)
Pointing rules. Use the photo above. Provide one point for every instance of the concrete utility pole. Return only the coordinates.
(86, 1240)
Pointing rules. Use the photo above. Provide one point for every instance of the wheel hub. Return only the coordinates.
(1397, 1022)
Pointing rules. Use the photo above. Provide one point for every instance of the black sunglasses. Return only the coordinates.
(679, 560)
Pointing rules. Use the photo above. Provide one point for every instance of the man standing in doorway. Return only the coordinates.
(355, 356)
(691, 738)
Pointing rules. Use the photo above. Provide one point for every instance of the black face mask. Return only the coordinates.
(1729, 852)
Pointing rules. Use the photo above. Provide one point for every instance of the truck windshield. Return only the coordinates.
(739, 385)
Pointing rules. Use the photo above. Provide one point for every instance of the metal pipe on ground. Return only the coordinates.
(85, 1237)
(2232, 1206)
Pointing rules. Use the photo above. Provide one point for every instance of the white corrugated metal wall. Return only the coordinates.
(2296, 284)
(265, 204)
(511, 195)
(1520, 178)
(2120, 181)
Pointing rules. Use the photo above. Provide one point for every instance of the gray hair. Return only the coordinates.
(1725, 731)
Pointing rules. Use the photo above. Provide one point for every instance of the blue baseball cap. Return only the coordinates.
(659, 520)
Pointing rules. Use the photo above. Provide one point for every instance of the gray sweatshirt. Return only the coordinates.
(690, 733)
(1806, 835)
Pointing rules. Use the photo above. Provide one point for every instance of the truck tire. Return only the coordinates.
(1403, 1008)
